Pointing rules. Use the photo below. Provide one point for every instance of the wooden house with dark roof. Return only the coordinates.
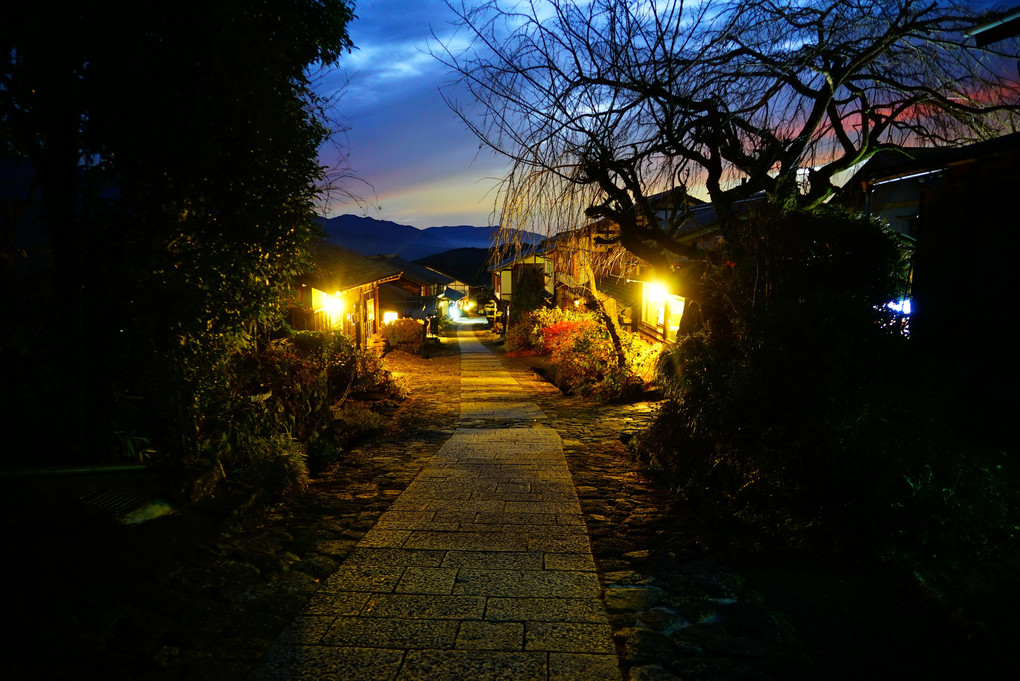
(419, 292)
(341, 292)
(642, 304)
(957, 205)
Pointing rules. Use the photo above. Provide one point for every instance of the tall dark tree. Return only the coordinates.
(175, 152)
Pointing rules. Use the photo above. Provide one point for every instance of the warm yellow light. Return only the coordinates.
(334, 306)
(388, 317)
(656, 293)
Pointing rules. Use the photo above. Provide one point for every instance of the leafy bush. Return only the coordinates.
(274, 463)
(518, 338)
(405, 334)
(808, 412)
(274, 419)
(543, 318)
(357, 422)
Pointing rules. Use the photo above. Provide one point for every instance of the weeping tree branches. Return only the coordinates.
(602, 106)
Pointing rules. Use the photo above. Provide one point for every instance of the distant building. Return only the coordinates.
(341, 292)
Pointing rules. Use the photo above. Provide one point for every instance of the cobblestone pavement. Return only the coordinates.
(480, 568)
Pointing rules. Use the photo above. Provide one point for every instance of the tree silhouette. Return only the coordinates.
(175, 151)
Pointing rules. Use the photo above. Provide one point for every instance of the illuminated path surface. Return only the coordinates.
(480, 570)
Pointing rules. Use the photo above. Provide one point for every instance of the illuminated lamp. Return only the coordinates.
(656, 293)
(334, 306)
(389, 317)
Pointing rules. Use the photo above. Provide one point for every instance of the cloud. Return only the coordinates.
(402, 139)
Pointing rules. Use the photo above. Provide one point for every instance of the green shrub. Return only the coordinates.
(277, 404)
(275, 463)
(518, 337)
(808, 412)
(355, 422)
(545, 317)
(581, 353)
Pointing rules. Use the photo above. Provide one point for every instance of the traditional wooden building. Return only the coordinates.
(341, 292)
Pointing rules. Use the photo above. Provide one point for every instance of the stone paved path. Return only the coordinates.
(481, 569)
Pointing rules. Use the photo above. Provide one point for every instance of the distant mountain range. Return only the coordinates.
(369, 236)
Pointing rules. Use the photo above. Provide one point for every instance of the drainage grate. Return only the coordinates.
(115, 503)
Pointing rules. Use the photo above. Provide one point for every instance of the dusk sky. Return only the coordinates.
(417, 163)
(424, 167)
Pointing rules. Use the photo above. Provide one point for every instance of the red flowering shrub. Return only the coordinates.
(554, 335)
(581, 353)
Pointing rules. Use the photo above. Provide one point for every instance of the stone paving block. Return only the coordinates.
(542, 507)
(379, 538)
(546, 610)
(527, 583)
(446, 492)
(528, 496)
(517, 518)
(317, 663)
(563, 543)
(570, 561)
(409, 606)
(408, 502)
(576, 666)
(478, 486)
(546, 534)
(445, 665)
(456, 516)
(568, 637)
(470, 541)
(366, 555)
(476, 505)
(426, 580)
(306, 630)
(391, 516)
(491, 636)
(386, 632)
(372, 578)
(505, 560)
(336, 603)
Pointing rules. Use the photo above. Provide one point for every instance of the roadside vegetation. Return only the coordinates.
(580, 353)
(284, 412)
(808, 412)
(148, 283)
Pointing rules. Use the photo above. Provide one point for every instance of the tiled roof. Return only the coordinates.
(526, 251)
(340, 269)
(627, 293)
(415, 272)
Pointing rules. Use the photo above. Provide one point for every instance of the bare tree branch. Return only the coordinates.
(607, 106)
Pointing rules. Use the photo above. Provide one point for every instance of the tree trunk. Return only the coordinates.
(606, 309)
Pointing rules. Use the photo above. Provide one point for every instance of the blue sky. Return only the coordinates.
(424, 167)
